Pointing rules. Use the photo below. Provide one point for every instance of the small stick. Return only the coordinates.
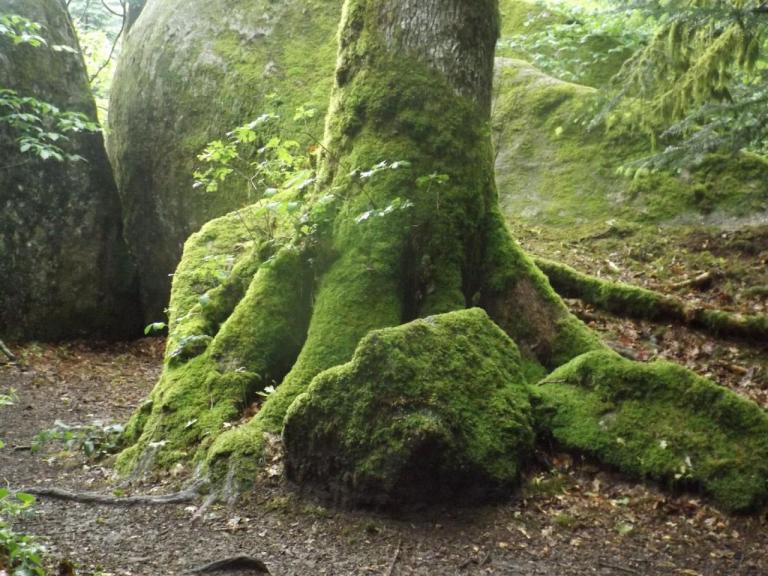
(392, 564)
(4, 349)
(93, 498)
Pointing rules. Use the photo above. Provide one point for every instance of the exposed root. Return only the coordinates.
(635, 302)
(92, 498)
(233, 563)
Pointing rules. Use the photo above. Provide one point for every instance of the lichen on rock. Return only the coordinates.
(429, 410)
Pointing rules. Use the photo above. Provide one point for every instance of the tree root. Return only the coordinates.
(635, 302)
(233, 563)
(92, 498)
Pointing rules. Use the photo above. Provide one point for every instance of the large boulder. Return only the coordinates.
(553, 172)
(190, 71)
(429, 411)
(64, 265)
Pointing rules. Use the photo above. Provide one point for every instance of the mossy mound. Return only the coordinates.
(190, 71)
(65, 269)
(552, 172)
(659, 421)
(426, 411)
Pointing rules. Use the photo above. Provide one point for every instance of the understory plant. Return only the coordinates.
(20, 555)
(40, 128)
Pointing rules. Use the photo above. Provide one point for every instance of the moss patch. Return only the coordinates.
(659, 421)
(207, 387)
(553, 173)
(433, 409)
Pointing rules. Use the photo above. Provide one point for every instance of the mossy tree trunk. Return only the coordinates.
(413, 83)
(388, 389)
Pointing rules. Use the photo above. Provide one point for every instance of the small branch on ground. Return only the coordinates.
(5, 350)
(634, 302)
(93, 498)
(395, 558)
(700, 282)
(233, 563)
(619, 568)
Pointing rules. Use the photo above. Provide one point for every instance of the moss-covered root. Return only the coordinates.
(427, 411)
(520, 299)
(256, 346)
(635, 302)
(358, 294)
(659, 421)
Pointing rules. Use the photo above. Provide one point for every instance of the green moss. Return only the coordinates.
(520, 299)
(423, 411)
(199, 395)
(614, 297)
(636, 302)
(554, 173)
(659, 421)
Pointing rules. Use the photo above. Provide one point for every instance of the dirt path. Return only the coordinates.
(575, 519)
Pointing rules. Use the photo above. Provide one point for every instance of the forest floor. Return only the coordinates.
(570, 517)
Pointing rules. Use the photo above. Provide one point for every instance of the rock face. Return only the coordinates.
(424, 412)
(552, 172)
(64, 265)
(190, 71)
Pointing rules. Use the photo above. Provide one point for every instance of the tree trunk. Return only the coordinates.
(389, 388)
(413, 84)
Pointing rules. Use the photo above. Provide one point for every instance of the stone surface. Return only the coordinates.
(65, 270)
(190, 71)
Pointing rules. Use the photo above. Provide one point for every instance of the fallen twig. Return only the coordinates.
(619, 568)
(5, 350)
(701, 281)
(233, 563)
(392, 564)
(93, 498)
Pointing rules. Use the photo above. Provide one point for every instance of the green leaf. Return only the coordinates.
(26, 499)
(155, 327)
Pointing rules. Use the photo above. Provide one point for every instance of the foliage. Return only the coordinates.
(100, 26)
(95, 440)
(41, 128)
(575, 43)
(20, 555)
(8, 399)
(699, 84)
